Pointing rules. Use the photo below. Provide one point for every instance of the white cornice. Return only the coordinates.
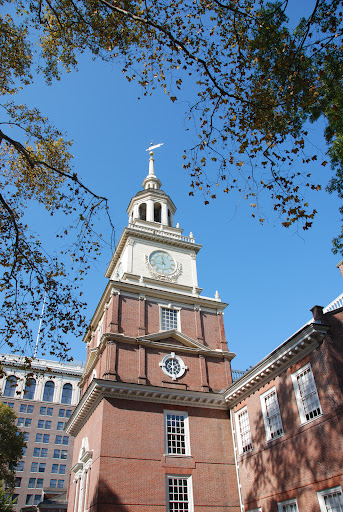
(290, 352)
(100, 389)
(159, 236)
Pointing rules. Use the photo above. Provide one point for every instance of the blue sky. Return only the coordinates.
(270, 276)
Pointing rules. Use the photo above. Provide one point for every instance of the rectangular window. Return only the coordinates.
(29, 409)
(20, 422)
(49, 411)
(54, 468)
(306, 394)
(68, 413)
(176, 433)
(41, 468)
(42, 411)
(17, 482)
(60, 425)
(22, 408)
(26, 436)
(56, 454)
(331, 500)
(34, 467)
(10, 404)
(24, 451)
(36, 452)
(15, 498)
(168, 319)
(53, 483)
(60, 484)
(39, 438)
(29, 499)
(64, 454)
(20, 465)
(48, 424)
(32, 483)
(271, 414)
(243, 431)
(61, 413)
(179, 493)
(62, 470)
(288, 506)
(37, 499)
(40, 424)
(44, 452)
(58, 440)
(46, 438)
(65, 440)
(28, 422)
(39, 484)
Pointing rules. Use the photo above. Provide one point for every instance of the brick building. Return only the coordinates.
(287, 421)
(43, 404)
(152, 427)
(161, 426)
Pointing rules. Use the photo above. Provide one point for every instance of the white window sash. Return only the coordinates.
(299, 398)
(186, 433)
(288, 506)
(277, 415)
(188, 478)
(329, 497)
(238, 431)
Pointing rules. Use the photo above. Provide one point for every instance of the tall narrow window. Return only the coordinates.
(168, 319)
(179, 493)
(243, 431)
(10, 386)
(30, 389)
(176, 433)
(331, 500)
(49, 389)
(271, 414)
(66, 394)
(306, 394)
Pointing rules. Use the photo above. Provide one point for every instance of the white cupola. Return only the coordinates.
(151, 205)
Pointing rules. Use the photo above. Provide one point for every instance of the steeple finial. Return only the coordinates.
(151, 181)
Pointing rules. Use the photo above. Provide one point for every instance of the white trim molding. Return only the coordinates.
(306, 394)
(179, 481)
(176, 434)
(288, 506)
(331, 499)
(271, 414)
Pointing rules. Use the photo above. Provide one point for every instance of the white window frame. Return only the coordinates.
(186, 428)
(263, 397)
(172, 308)
(189, 490)
(238, 431)
(299, 400)
(282, 504)
(321, 496)
(254, 510)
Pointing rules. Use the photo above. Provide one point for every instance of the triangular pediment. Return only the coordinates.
(173, 337)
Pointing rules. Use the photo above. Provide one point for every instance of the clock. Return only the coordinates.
(173, 366)
(162, 263)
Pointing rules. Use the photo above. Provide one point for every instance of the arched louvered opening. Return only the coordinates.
(142, 211)
(169, 218)
(157, 212)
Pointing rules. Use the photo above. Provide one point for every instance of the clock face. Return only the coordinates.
(162, 262)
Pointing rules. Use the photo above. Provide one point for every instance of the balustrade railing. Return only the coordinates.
(335, 304)
(163, 232)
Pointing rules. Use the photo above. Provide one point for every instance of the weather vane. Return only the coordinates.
(154, 147)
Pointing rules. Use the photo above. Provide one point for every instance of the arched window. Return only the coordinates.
(66, 394)
(142, 211)
(30, 389)
(11, 384)
(49, 389)
(157, 212)
(169, 218)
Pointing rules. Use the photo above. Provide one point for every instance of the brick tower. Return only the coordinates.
(152, 431)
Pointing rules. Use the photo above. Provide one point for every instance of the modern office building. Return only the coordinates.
(43, 404)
